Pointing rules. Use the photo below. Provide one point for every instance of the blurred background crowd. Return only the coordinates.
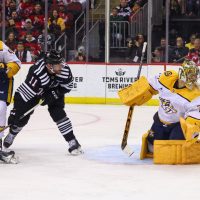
(68, 20)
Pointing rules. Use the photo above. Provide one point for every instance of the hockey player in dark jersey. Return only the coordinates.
(48, 79)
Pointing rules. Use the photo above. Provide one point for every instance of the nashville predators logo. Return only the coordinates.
(167, 106)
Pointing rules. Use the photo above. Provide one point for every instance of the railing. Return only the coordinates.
(93, 40)
(96, 10)
(79, 27)
(119, 32)
(59, 41)
(138, 22)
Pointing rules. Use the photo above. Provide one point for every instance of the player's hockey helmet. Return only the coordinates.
(189, 73)
(54, 57)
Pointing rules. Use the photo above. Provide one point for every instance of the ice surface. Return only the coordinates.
(104, 172)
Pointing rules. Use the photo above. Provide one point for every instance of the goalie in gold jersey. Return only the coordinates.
(9, 66)
(178, 116)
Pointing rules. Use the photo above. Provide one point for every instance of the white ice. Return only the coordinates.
(104, 172)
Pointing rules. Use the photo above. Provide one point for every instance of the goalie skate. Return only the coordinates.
(75, 148)
(8, 157)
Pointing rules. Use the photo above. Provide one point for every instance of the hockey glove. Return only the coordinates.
(3, 74)
(50, 96)
(12, 117)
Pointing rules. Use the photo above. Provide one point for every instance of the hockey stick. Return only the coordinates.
(25, 114)
(124, 145)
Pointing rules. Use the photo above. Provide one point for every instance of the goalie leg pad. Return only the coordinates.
(136, 94)
(175, 152)
(144, 153)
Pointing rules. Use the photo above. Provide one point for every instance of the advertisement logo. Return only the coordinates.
(118, 80)
(76, 82)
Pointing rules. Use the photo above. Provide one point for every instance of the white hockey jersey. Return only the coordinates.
(11, 64)
(175, 103)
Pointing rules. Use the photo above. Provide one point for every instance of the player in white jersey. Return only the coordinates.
(9, 66)
(178, 116)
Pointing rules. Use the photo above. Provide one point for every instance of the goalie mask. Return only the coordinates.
(189, 74)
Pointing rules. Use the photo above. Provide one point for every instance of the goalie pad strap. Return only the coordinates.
(136, 94)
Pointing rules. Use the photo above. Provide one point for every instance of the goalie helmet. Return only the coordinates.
(189, 73)
(54, 57)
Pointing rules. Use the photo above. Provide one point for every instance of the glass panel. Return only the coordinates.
(183, 29)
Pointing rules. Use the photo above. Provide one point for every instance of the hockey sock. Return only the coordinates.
(65, 127)
(15, 129)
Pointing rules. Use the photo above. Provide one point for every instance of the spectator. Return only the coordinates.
(75, 7)
(11, 41)
(194, 53)
(25, 8)
(68, 19)
(192, 8)
(10, 7)
(116, 28)
(175, 8)
(80, 57)
(157, 55)
(179, 52)
(11, 27)
(134, 50)
(190, 45)
(17, 19)
(37, 17)
(50, 40)
(31, 45)
(135, 8)
(23, 54)
(162, 49)
(115, 15)
(28, 27)
(124, 10)
(55, 20)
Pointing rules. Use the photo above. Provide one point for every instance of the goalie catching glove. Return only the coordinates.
(138, 93)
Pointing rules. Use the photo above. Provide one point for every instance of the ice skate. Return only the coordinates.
(8, 157)
(75, 148)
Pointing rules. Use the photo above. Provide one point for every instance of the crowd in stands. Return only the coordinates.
(25, 24)
(126, 9)
(185, 8)
(177, 53)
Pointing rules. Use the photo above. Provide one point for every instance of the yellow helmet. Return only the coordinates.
(189, 73)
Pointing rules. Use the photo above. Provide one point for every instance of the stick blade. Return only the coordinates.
(127, 150)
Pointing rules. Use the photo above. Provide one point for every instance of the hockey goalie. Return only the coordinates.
(173, 136)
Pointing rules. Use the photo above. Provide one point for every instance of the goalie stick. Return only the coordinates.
(124, 145)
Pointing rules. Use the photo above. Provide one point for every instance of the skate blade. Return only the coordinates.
(77, 152)
(11, 160)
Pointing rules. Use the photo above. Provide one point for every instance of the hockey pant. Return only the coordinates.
(161, 131)
(56, 111)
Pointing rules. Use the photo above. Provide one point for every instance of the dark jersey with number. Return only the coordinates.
(39, 80)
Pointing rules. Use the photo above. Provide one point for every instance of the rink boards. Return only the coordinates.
(99, 83)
